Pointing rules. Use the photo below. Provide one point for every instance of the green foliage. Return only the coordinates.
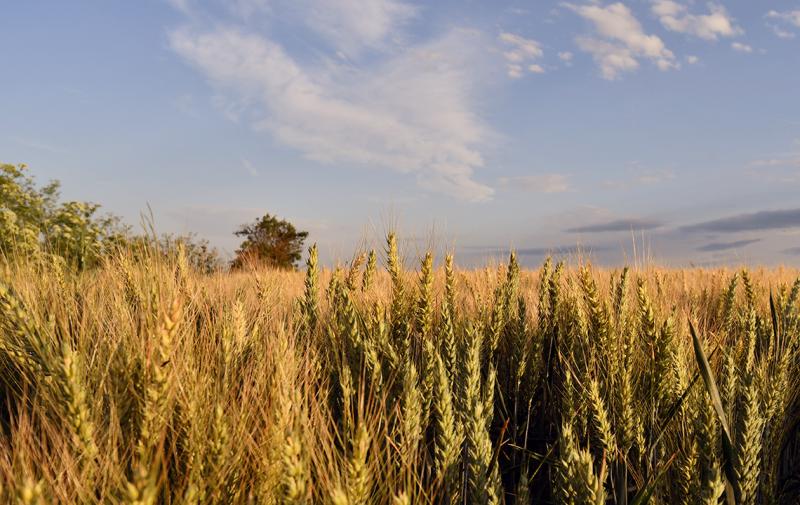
(76, 234)
(24, 210)
(196, 252)
(269, 241)
(32, 222)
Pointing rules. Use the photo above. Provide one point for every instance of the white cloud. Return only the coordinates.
(791, 18)
(520, 51)
(352, 25)
(249, 167)
(785, 161)
(620, 40)
(528, 48)
(181, 5)
(38, 145)
(639, 176)
(677, 18)
(692, 60)
(411, 112)
(565, 56)
(544, 183)
(514, 71)
(742, 48)
(654, 176)
(784, 168)
(612, 58)
(781, 33)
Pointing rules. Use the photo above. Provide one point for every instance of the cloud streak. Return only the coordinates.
(742, 48)
(355, 25)
(764, 220)
(409, 111)
(562, 250)
(545, 183)
(617, 225)
(725, 246)
(782, 20)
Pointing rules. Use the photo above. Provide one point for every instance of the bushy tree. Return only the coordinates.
(76, 234)
(33, 222)
(269, 241)
(24, 208)
(198, 253)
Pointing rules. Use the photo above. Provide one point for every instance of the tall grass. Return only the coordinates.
(144, 381)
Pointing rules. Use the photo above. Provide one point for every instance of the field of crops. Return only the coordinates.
(392, 381)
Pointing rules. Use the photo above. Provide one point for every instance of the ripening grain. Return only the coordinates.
(143, 381)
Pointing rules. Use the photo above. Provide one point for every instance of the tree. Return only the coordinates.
(33, 222)
(24, 209)
(270, 241)
(197, 252)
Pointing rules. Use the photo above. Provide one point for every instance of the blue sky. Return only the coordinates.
(474, 125)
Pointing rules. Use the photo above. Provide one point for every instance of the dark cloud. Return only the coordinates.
(793, 251)
(560, 251)
(541, 251)
(764, 220)
(618, 225)
(724, 246)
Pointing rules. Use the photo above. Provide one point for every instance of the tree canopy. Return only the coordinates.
(35, 224)
(269, 241)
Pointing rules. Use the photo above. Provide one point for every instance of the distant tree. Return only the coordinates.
(198, 252)
(270, 241)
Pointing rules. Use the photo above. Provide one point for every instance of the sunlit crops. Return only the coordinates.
(145, 382)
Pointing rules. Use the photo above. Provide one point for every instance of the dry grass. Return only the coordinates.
(146, 382)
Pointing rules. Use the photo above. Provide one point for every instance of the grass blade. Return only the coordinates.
(716, 401)
(776, 335)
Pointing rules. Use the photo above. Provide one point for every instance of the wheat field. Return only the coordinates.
(398, 382)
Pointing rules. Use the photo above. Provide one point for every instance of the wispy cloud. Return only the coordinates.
(408, 110)
(764, 220)
(249, 167)
(742, 48)
(791, 17)
(617, 226)
(353, 25)
(620, 40)
(725, 246)
(38, 145)
(783, 21)
(520, 53)
(781, 33)
(676, 17)
(781, 161)
(544, 183)
(641, 177)
(561, 250)
(181, 5)
(780, 169)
